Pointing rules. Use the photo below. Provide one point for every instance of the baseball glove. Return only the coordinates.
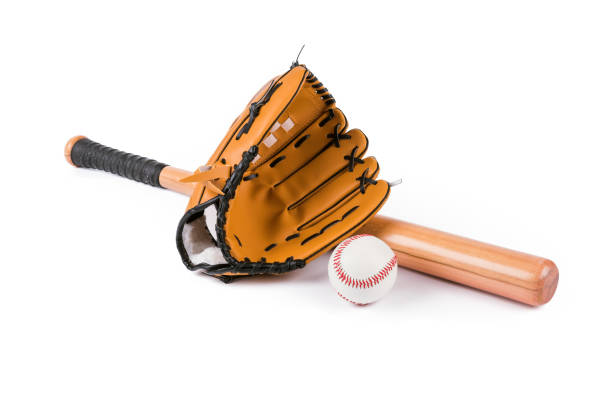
(287, 183)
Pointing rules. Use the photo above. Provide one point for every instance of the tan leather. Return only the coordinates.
(306, 189)
(208, 174)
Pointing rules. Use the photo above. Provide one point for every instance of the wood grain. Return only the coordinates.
(170, 176)
(512, 274)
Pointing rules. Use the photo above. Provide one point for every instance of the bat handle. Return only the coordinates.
(83, 152)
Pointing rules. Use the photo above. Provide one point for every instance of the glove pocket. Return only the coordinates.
(196, 239)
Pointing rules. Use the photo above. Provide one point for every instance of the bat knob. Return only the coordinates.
(68, 148)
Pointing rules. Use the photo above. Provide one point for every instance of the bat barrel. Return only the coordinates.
(512, 274)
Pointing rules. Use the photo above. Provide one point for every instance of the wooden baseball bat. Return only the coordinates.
(515, 275)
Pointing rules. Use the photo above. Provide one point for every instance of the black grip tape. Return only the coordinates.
(92, 155)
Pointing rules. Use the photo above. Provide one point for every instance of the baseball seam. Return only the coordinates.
(368, 282)
(349, 300)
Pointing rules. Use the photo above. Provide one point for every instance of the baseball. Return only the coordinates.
(362, 269)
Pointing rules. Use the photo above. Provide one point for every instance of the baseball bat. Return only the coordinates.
(515, 275)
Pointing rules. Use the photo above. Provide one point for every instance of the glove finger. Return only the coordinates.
(300, 150)
(285, 134)
(295, 182)
(263, 115)
(318, 203)
(258, 225)
(344, 220)
(330, 228)
(278, 233)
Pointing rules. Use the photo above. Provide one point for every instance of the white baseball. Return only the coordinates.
(362, 269)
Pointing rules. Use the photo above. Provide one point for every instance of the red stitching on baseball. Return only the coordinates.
(359, 283)
(349, 300)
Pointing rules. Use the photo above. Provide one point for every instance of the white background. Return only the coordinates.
(497, 115)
